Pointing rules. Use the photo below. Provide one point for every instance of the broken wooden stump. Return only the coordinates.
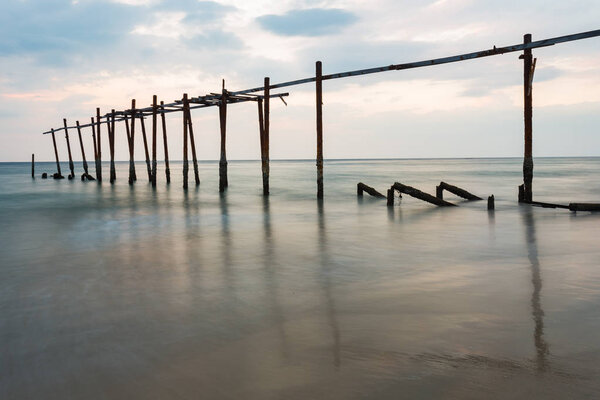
(361, 187)
(44, 176)
(439, 192)
(390, 197)
(491, 203)
(33, 166)
(416, 193)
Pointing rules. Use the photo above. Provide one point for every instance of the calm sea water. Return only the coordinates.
(128, 292)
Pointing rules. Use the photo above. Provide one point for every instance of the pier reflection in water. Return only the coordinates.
(119, 291)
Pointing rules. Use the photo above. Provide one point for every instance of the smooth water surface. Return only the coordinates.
(112, 291)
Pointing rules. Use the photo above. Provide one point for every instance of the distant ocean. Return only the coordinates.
(112, 291)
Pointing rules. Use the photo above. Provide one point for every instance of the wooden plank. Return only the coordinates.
(456, 190)
(416, 193)
(361, 187)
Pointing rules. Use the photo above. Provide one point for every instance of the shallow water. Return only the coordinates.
(129, 292)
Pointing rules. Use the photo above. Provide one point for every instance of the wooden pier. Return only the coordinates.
(262, 95)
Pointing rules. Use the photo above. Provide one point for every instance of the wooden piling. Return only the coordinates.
(319, 100)
(528, 116)
(33, 166)
(265, 132)
(95, 146)
(71, 165)
(416, 193)
(146, 152)
(390, 197)
(223, 182)
(58, 174)
(186, 166)
(154, 121)
(85, 164)
(490, 204)
(99, 171)
(164, 132)
(111, 142)
(131, 137)
(186, 110)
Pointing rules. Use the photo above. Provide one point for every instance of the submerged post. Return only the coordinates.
(146, 153)
(111, 142)
(223, 183)
(71, 166)
(164, 131)
(528, 66)
(186, 166)
(264, 121)
(154, 111)
(85, 164)
(186, 110)
(99, 122)
(58, 175)
(33, 166)
(319, 90)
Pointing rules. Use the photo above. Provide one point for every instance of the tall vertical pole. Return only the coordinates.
(186, 110)
(186, 166)
(528, 114)
(265, 139)
(132, 175)
(223, 182)
(164, 131)
(111, 141)
(99, 139)
(146, 153)
(58, 175)
(319, 82)
(95, 146)
(71, 166)
(85, 164)
(154, 114)
(33, 166)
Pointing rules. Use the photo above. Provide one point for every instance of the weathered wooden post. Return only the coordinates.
(439, 192)
(223, 182)
(490, 204)
(186, 110)
(319, 92)
(33, 166)
(390, 197)
(186, 166)
(265, 131)
(131, 137)
(111, 142)
(71, 166)
(146, 153)
(57, 175)
(164, 131)
(99, 122)
(528, 70)
(95, 146)
(85, 164)
(154, 121)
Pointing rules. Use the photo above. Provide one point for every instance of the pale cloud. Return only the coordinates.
(62, 59)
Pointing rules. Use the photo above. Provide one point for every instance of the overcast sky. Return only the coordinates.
(63, 58)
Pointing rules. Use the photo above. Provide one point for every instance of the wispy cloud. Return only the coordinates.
(308, 22)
